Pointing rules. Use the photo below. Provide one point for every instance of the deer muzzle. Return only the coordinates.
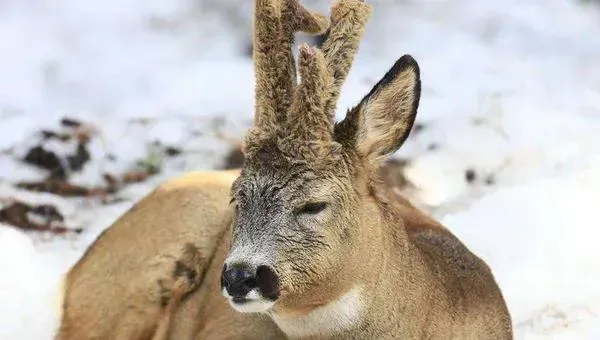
(249, 288)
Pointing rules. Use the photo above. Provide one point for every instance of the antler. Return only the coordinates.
(310, 98)
(348, 21)
(275, 23)
(307, 111)
(323, 73)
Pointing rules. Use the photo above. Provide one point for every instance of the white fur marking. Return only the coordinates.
(253, 295)
(254, 304)
(335, 317)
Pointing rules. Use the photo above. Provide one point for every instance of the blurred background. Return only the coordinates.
(102, 100)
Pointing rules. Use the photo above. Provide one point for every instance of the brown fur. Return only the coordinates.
(365, 265)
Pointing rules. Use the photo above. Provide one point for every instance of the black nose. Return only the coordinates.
(238, 280)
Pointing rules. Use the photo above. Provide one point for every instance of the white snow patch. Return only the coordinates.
(541, 242)
(29, 287)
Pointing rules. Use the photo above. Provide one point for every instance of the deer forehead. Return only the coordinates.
(270, 168)
(267, 183)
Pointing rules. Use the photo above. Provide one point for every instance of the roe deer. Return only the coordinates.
(304, 242)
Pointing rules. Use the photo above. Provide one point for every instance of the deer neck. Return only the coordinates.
(355, 314)
(388, 283)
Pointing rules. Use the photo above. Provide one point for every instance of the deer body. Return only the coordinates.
(381, 301)
(305, 241)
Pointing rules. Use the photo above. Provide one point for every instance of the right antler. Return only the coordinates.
(323, 73)
(275, 23)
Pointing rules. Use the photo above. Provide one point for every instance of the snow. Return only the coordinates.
(544, 270)
(36, 280)
(511, 91)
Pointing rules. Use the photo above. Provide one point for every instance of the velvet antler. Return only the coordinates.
(323, 73)
(275, 23)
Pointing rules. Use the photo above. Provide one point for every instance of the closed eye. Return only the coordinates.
(312, 208)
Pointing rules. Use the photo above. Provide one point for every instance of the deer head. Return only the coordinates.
(305, 208)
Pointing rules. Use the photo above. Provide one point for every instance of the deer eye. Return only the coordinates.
(312, 208)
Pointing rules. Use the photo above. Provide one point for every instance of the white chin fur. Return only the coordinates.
(252, 306)
(254, 303)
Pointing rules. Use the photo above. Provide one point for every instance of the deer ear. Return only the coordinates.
(381, 122)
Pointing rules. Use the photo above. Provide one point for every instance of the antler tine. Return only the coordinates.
(348, 21)
(311, 94)
(275, 23)
(294, 18)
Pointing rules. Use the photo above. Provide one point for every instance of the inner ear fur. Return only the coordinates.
(383, 119)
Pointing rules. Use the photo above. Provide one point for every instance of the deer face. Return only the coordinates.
(291, 229)
(299, 201)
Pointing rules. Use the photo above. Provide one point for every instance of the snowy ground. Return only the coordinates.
(511, 91)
